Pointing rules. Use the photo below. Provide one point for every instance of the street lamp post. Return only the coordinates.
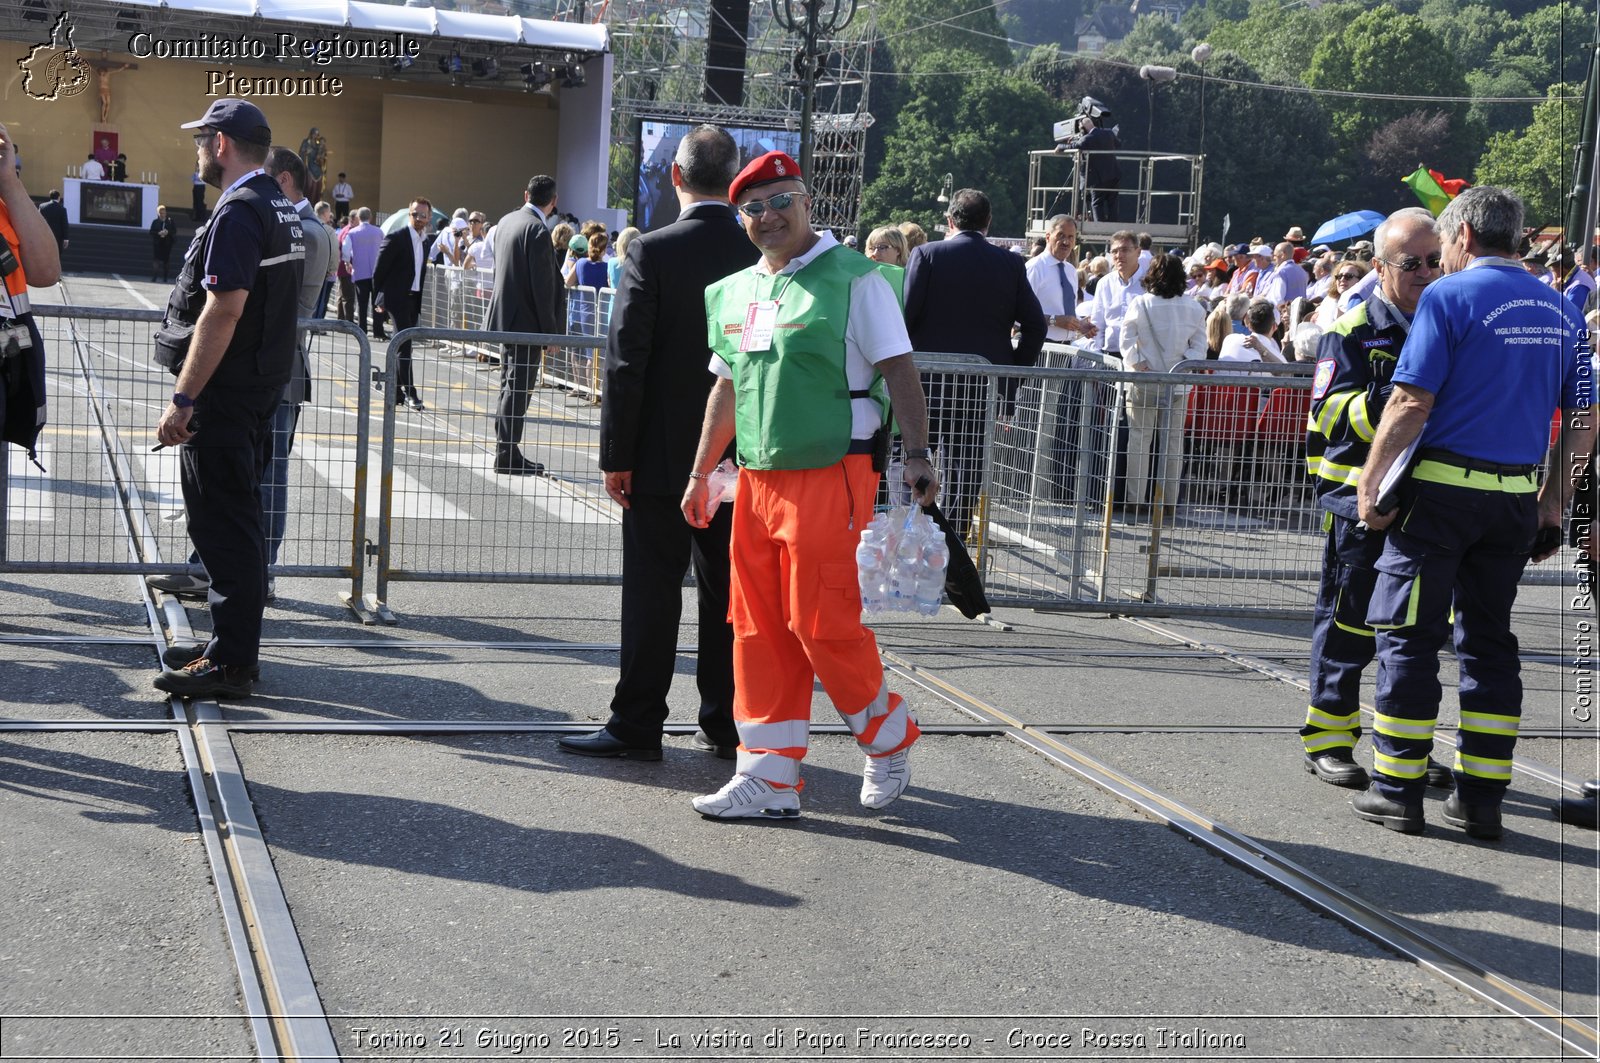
(811, 19)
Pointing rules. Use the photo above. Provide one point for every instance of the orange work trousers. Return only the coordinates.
(795, 605)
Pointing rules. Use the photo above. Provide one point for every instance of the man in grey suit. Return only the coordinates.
(524, 301)
(657, 381)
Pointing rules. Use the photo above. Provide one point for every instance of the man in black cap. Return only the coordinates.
(229, 337)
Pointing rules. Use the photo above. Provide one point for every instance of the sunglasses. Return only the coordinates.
(757, 207)
(1347, 276)
(416, 214)
(202, 138)
(1411, 263)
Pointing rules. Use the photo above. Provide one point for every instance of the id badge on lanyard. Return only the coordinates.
(760, 321)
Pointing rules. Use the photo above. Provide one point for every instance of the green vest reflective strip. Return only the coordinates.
(1440, 472)
(791, 402)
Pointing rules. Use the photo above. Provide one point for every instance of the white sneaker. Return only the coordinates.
(747, 797)
(885, 778)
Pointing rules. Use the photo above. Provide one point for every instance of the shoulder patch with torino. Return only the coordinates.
(1324, 378)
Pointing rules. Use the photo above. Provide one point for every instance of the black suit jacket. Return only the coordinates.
(396, 263)
(55, 215)
(657, 378)
(525, 279)
(962, 296)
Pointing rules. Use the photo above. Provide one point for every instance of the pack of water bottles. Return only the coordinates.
(901, 561)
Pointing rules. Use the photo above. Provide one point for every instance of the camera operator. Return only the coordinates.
(27, 256)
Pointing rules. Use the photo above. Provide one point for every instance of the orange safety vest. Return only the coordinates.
(17, 280)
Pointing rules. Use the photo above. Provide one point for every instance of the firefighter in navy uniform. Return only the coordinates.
(1355, 361)
(1491, 352)
(229, 336)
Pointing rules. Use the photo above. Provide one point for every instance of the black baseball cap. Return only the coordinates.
(237, 118)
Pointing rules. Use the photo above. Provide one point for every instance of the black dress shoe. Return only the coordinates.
(1439, 775)
(177, 657)
(1478, 820)
(702, 741)
(514, 464)
(202, 678)
(603, 743)
(1372, 806)
(1339, 767)
(380, 335)
(1580, 811)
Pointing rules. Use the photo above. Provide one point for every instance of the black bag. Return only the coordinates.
(962, 584)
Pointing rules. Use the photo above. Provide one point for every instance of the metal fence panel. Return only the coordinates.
(105, 482)
(448, 515)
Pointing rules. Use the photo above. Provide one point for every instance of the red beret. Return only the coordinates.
(773, 166)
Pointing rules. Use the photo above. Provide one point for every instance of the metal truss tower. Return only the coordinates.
(659, 71)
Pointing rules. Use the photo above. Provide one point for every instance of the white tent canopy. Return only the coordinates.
(416, 21)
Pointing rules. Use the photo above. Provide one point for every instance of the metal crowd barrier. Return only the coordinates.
(1080, 488)
(105, 487)
(446, 514)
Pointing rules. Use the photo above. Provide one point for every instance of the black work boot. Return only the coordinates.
(1372, 806)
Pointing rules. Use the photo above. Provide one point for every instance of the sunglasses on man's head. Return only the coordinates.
(1411, 263)
(757, 207)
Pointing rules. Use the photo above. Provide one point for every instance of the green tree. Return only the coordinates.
(1536, 162)
(1272, 37)
(978, 127)
(1379, 52)
(919, 27)
(1153, 39)
(1043, 21)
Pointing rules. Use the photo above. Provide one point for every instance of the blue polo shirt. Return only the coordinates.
(234, 248)
(1500, 352)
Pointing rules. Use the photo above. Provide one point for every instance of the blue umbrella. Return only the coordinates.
(1347, 226)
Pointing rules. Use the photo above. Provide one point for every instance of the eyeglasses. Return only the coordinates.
(757, 207)
(879, 247)
(1411, 263)
(420, 214)
(1347, 276)
(203, 138)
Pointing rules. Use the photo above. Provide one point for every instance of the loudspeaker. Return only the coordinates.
(725, 51)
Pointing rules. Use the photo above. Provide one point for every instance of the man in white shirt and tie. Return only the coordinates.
(1055, 281)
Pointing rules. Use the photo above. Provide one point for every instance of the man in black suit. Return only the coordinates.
(962, 296)
(397, 291)
(656, 386)
(525, 285)
(54, 212)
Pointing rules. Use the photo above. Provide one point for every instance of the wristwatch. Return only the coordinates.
(919, 452)
(182, 401)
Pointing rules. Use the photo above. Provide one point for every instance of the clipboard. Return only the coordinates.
(1395, 477)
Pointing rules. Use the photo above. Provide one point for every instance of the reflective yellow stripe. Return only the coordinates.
(1364, 632)
(1332, 409)
(1400, 768)
(1438, 472)
(1314, 465)
(1402, 727)
(1321, 743)
(1339, 474)
(1484, 767)
(1315, 717)
(1490, 724)
(1360, 423)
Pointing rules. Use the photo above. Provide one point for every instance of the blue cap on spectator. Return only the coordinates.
(1236, 249)
(237, 118)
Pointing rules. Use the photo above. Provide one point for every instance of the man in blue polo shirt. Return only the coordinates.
(229, 336)
(1492, 352)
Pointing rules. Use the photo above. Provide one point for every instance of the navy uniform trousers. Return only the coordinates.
(1465, 533)
(1342, 643)
(221, 469)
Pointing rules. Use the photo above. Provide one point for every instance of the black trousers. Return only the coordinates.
(220, 469)
(518, 364)
(404, 315)
(658, 546)
(363, 300)
(1103, 204)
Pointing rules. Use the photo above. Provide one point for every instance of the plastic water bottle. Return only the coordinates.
(869, 568)
(907, 566)
(930, 579)
(721, 485)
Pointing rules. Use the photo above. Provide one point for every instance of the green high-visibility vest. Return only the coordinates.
(792, 401)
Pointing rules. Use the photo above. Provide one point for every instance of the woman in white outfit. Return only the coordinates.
(1162, 328)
